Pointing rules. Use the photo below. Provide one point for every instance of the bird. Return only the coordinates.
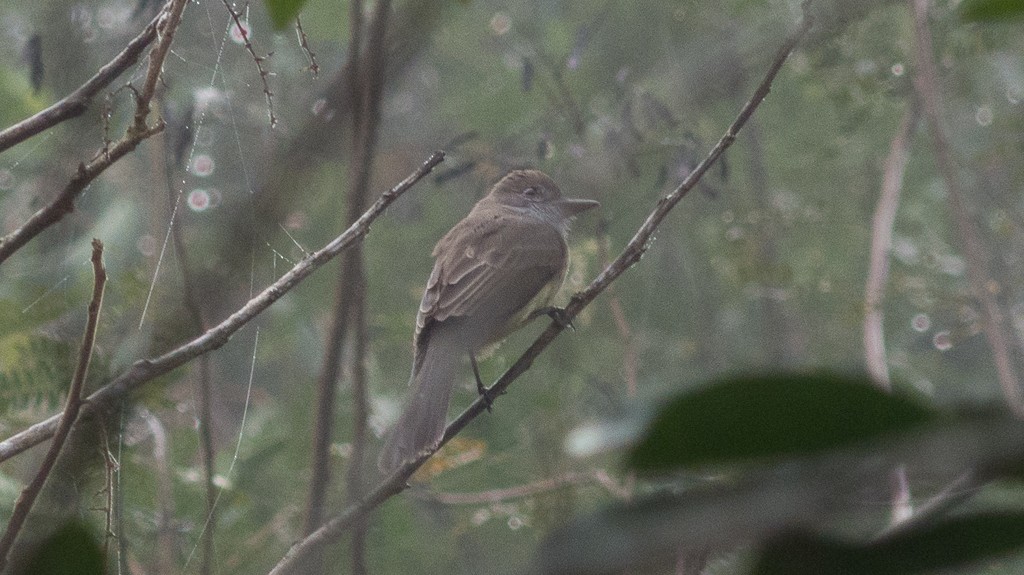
(494, 271)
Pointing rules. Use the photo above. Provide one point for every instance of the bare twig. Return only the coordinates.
(367, 119)
(314, 68)
(28, 496)
(957, 492)
(327, 381)
(349, 313)
(207, 453)
(881, 243)
(926, 84)
(166, 28)
(110, 468)
(64, 203)
(878, 275)
(77, 102)
(146, 370)
(259, 60)
(204, 392)
(164, 494)
(396, 482)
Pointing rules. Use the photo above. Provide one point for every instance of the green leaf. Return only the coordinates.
(991, 10)
(952, 543)
(71, 550)
(764, 416)
(760, 504)
(283, 12)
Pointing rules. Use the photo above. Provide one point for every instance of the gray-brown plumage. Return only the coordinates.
(504, 260)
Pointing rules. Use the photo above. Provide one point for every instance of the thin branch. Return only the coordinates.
(166, 28)
(926, 84)
(191, 301)
(164, 494)
(366, 134)
(64, 203)
(146, 370)
(366, 63)
(110, 467)
(881, 243)
(327, 380)
(630, 356)
(122, 541)
(77, 102)
(259, 60)
(360, 418)
(207, 454)
(28, 496)
(396, 482)
(313, 67)
(957, 492)
(878, 276)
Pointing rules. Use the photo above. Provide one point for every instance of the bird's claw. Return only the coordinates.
(480, 388)
(559, 316)
(487, 395)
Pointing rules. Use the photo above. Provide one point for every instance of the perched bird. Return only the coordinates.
(494, 271)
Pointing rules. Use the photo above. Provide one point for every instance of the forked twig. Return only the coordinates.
(259, 60)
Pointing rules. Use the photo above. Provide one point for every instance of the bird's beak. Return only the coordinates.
(574, 206)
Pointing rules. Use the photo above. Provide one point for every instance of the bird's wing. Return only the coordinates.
(497, 268)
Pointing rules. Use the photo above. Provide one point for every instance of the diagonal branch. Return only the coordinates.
(259, 60)
(983, 286)
(146, 370)
(396, 482)
(67, 418)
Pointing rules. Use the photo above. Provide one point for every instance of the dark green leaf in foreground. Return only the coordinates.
(71, 550)
(956, 542)
(283, 12)
(763, 416)
(991, 10)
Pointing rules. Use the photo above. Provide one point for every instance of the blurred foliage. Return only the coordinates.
(991, 10)
(761, 269)
(769, 417)
(777, 472)
(72, 549)
(282, 12)
(951, 543)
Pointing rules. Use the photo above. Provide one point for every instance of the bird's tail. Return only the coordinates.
(421, 425)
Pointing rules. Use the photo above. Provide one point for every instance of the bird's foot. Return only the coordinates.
(480, 387)
(488, 395)
(557, 314)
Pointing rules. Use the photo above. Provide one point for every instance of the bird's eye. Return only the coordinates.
(531, 192)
